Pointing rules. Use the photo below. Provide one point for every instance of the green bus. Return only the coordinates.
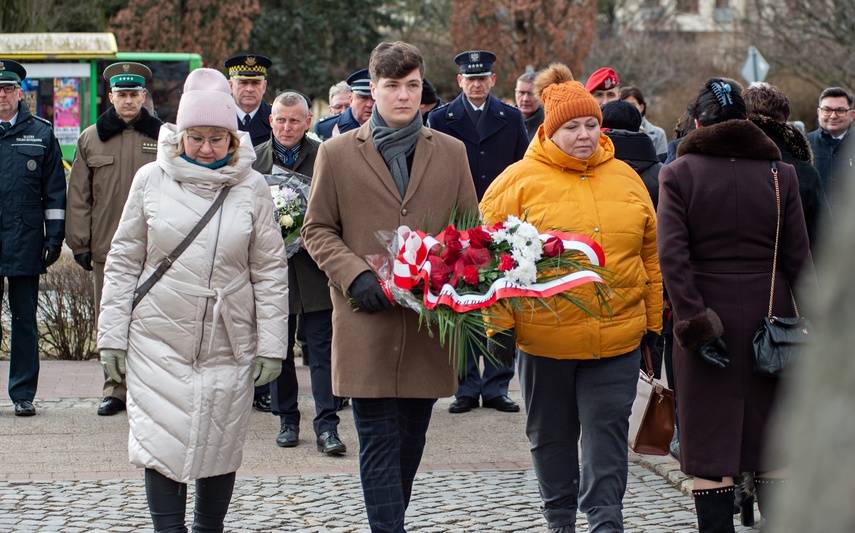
(64, 82)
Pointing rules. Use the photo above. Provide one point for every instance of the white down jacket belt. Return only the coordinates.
(193, 339)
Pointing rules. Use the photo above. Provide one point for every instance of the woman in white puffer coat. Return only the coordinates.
(214, 325)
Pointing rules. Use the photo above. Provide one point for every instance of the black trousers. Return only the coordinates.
(24, 347)
(167, 502)
(391, 442)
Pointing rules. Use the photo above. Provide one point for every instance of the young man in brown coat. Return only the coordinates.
(109, 153)
(390, 172)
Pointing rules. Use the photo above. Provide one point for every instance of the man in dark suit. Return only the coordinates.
(361, 104)
(495, 137)
(829, 141)
(248, 80)
(308, 295)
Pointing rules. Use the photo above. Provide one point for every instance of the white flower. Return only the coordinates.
(286, 221)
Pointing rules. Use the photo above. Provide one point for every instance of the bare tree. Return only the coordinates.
(212, 28)
(526, 32)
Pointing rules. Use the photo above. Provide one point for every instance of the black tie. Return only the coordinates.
(246, 120)
(5, 125)
(478, 113)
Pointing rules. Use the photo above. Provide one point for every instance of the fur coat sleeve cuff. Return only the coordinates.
(694, 332)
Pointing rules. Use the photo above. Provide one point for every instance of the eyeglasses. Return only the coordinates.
(216, 142)
(9, 89)
(827, 111)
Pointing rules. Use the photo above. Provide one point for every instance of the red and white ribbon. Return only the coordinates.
(411, 266)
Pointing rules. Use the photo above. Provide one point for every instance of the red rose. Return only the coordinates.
(553, 247)
(478, 238)
(451, 252)
(470, 274)
(456, 274)
(450, 234)
(439, 273)
(480, 257)
(497, 226)
(506, 262)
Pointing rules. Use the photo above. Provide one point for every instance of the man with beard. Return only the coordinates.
(32, 201)
(109, 153)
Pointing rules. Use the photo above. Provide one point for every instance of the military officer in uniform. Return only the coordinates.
(248, 80)
(495, 137)
(109, 153)
(32, 201)
(361, 104)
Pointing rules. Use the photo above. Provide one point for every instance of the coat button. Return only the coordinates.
(582, 178)
(596, 230)
(404, 211)
(596, 355)
(482, 152)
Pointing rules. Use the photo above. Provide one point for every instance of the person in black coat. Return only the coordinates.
(495, 137)
(248, 81)
(361, 106)
(768, 108)
(621, 123)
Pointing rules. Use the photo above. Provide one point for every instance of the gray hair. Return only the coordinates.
(528, 77)
(339, 88)
(291, 98)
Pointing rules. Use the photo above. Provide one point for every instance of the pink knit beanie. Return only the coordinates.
(207, 101)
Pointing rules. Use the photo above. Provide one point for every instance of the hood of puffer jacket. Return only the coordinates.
(204, 178)
(547, 152)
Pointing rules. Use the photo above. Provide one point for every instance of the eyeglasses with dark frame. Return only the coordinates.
(840, 111)
(9, 89)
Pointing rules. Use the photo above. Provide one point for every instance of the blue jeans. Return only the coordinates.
(391, 441)
(566, 398)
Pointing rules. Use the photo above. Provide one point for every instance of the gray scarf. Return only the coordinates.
(395, 145)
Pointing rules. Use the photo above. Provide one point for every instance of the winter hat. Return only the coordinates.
(621, 115)
(602, 80)
(207, 101)
(563, 98)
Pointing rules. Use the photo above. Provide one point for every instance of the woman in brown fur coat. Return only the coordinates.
(717, 222)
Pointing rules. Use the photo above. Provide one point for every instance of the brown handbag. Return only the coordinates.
(651, 424)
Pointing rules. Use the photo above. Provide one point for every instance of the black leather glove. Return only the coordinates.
(84, 260)
(650, 339)
(713, 353)
(368, 295)
(503, 347)
(50, 253)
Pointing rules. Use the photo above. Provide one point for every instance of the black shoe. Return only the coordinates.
(289, 435)
(674, 448)
(328, 442)
(464, 404)
(503, 404)
(110, 406)
(24, 408)
(262, 402)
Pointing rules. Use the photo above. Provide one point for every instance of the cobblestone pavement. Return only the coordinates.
(66, 470)
(485, 501)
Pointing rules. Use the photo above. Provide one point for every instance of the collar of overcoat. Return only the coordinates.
(425, 148)
(459, 121)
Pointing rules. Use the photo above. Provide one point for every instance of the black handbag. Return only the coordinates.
(780, 341)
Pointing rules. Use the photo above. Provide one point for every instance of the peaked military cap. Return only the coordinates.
(127, 76)
(359, 81)
(475, 63)
(11, 72)
(248, 67)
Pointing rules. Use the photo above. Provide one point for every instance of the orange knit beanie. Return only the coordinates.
(563, 98)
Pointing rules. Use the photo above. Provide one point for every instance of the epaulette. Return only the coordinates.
(328, 118)
(46, 121)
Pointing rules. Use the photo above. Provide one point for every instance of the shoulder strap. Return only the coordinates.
(164, 265)
(777, 236)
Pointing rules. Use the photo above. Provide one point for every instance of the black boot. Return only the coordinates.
(768, 489)
(744, 498)
(715, 510)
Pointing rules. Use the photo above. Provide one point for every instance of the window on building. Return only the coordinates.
(687, 6)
